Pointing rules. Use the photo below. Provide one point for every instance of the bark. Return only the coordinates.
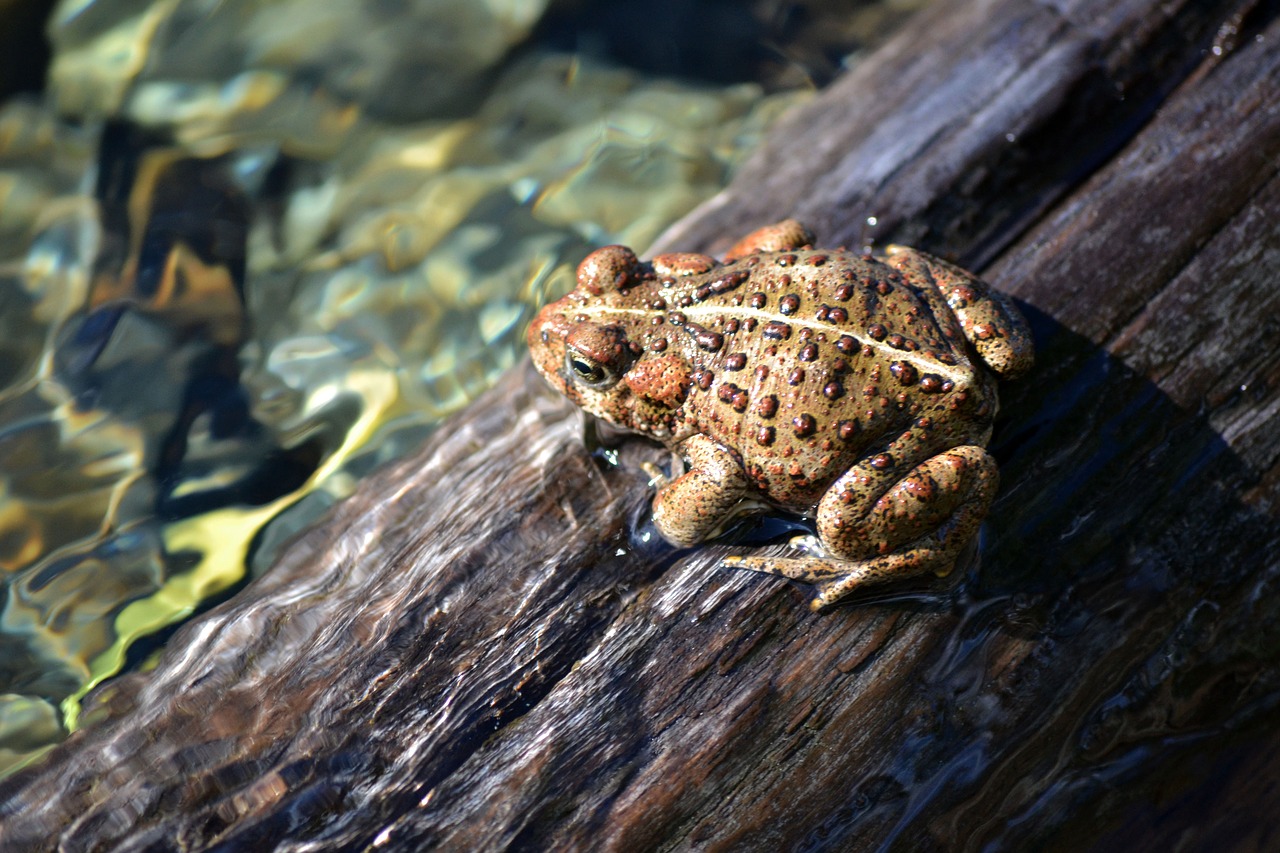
(485, 648)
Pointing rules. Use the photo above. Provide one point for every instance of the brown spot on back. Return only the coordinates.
(727, 392)
(776, 330)
(729, 281)
(805, 425)
(705, 338)
(904, 372)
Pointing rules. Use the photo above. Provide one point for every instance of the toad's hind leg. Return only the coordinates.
(988, 318)
(918, 526)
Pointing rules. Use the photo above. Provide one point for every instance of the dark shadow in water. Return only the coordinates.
(24, 47)
(176, 278)
(719, 41)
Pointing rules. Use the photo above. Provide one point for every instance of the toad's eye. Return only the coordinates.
(589, 372)
(596, 356)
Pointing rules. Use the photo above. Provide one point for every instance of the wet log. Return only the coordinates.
(484, 647)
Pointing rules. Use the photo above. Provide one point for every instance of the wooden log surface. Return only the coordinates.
(481, 650)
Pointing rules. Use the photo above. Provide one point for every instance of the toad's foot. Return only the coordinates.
(918, 525)
(835, 578)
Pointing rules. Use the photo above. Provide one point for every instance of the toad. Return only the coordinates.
(854, 390)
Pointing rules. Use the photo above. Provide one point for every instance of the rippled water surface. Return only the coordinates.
(249, 251)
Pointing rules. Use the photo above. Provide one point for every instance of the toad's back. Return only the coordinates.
(807, 361)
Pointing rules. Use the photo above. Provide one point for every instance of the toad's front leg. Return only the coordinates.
(918, 525)
(696, 505)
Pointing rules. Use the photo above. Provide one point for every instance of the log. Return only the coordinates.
(485, 647)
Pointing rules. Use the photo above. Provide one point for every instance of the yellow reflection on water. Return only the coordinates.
(222, 540)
